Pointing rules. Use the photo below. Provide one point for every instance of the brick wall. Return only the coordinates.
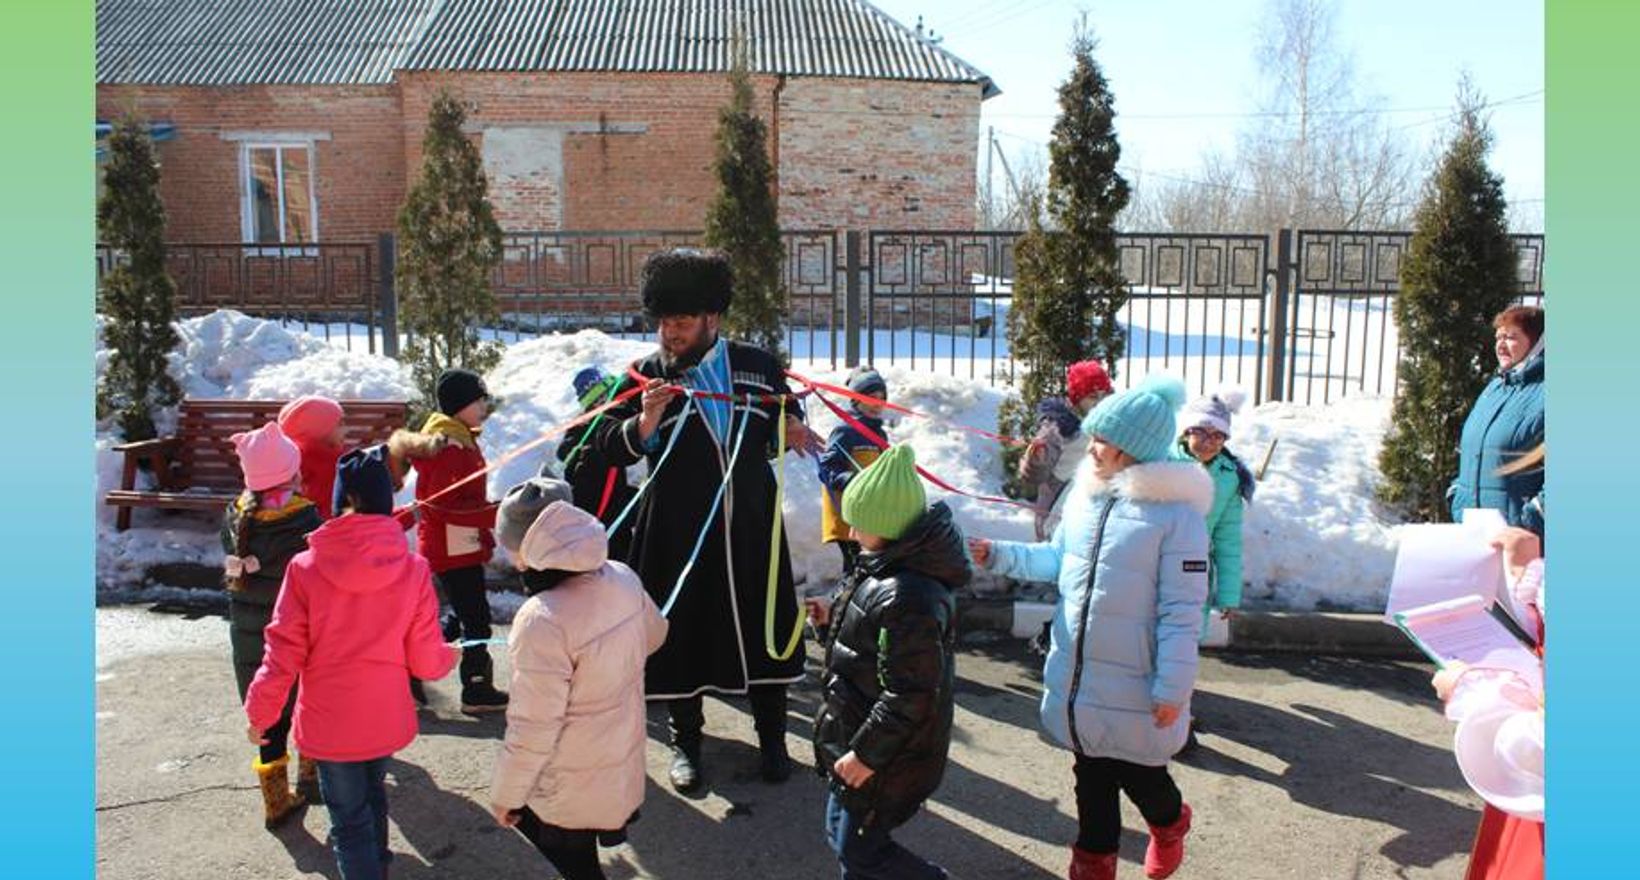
(870, 154)
(358, 182)
(588, 150)
(579, 150)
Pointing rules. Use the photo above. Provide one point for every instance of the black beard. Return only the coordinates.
(674, 365)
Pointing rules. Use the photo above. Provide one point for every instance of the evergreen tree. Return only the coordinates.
(742, 219)
(1459, 272)
(448, 247)
(1068, 285)
(137, 298)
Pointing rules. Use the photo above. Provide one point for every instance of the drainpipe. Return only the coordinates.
(774, 136)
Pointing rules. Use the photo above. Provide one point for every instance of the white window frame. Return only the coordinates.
(247, 207)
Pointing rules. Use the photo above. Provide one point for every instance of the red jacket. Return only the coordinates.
(456, 530)
(319, 473)
(356, 617)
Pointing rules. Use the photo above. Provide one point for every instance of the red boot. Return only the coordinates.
(1092, 866)
(1166, 849)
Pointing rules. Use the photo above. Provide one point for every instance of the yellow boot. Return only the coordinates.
(278, 801)
(307, 780)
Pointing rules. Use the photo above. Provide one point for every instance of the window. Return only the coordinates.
(279, 206)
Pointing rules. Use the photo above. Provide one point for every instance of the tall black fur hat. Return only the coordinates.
(686, 281)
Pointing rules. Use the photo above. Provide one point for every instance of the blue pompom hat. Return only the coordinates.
(1140, 421)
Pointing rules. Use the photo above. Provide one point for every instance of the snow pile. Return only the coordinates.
(222, 355)
(533, 385)
(229, 355)
(1314, 537)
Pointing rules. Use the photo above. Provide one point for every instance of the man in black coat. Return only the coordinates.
(706, 555)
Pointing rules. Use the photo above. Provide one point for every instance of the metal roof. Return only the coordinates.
(255, 42)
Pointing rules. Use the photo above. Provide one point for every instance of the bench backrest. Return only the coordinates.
(205, 455)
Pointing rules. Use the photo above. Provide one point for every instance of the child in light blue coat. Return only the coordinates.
(1130, 558)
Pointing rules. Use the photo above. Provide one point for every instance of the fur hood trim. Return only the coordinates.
(1185, 481)
(404, 445)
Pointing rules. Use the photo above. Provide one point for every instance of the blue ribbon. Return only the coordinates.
(672, 441)
(717, 500)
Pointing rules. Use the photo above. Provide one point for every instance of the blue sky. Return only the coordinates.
(1168, 59)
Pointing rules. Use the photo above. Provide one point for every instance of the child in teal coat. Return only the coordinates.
(1205, 427)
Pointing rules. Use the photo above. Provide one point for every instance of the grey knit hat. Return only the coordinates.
(522, 504)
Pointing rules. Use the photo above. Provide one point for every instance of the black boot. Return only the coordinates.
(478, 694)
(688, 718)
(769, 716)
(777, 763)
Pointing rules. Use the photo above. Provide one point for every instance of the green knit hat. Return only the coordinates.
(1141, 420)
(886, 498)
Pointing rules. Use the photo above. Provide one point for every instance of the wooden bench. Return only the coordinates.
(196, 469)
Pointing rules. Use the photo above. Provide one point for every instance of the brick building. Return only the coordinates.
(300, 120)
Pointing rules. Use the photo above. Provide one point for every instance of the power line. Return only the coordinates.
(1282, 114)
(987, 24)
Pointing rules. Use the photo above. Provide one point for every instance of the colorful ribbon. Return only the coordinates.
(774, 555)
(717, 500)
(878, 440)
(813, 386)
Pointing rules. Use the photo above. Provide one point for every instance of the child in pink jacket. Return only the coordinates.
(356, 614)
(571, 769)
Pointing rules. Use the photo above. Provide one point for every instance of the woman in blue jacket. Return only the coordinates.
(1130, 558)
(1506, 423)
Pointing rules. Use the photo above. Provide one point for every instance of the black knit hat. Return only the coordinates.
(686, 281)
(458, 388)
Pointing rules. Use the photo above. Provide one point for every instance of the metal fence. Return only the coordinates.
(331, 289)
(550, 282)
(1311, 323)
(1196, 304)
(1341, 337)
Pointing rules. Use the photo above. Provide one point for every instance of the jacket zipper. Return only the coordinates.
(1082, 629)
(1480, 452)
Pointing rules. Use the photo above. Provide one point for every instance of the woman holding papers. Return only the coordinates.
(1506, 421)
(1499, 740)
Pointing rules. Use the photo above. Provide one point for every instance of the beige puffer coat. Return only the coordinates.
(574, 749)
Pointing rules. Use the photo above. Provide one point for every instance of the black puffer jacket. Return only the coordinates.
(889, 669)
(273, 537)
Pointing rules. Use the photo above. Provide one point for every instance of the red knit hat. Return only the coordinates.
(1085, 379)
(310, 418)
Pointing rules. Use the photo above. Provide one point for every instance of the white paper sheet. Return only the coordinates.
(1440, 562)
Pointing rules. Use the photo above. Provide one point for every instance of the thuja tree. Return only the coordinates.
(137, 298)
(448, 247)
(743, 220)
(1460, 270)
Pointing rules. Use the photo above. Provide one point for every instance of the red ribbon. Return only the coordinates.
(543, 437)
(769, 399)
(881, 443)
(609, 491)
(878, 401)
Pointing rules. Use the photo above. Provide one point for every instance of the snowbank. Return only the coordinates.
(1314, 536)
(227, 355)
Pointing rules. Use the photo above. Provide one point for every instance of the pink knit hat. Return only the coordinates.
(310, 418)
(267, 457)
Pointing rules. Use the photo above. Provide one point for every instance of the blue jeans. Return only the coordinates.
(869, 853)
(356, 795)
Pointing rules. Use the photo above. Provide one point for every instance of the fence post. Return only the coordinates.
(387, 298)
(1278, 324)
(851, 302)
